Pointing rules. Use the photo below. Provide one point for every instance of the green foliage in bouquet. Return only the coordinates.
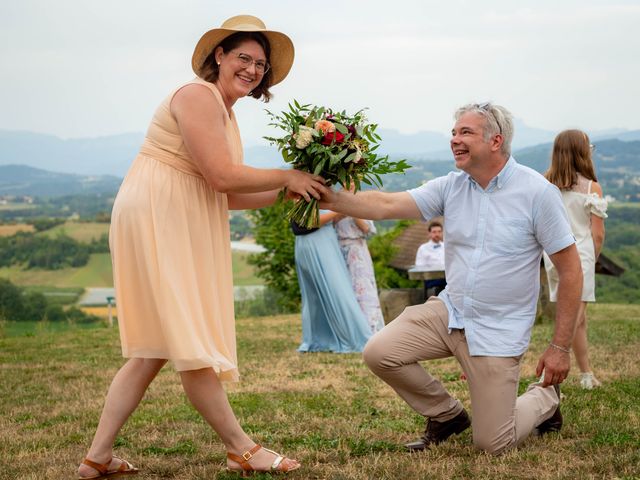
(335, 145)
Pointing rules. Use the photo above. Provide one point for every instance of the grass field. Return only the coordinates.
(243, 273)
(17, 206)
(80, 231)
(8, 230)
(327, 410)
(97, 273)
(625, 204)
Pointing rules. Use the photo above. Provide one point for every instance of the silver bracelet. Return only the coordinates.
(558, 347)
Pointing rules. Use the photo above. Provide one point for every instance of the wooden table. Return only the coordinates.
(424, 276)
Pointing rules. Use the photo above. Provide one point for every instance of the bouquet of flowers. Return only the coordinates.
(337, 146)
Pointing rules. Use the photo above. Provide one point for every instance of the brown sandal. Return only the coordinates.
(125, 468)
(280, 464)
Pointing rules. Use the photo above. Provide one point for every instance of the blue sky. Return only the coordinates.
(83, 68)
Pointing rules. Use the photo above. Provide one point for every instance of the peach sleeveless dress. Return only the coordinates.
(171, 254)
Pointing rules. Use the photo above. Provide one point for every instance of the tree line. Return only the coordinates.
(51, 253)
(19, 305)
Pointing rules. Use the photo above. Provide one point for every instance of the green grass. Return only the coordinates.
(243, 273)
(30, 329)
(80, 231)
(97, 273)
(624, 204)
(327, 410)
(17, 206)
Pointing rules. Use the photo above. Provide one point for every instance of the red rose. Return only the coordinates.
(330, 136)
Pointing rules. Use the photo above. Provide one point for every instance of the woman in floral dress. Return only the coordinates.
(352, 234)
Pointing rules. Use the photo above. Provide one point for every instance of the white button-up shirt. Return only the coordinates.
(430, 257)
(494, 239)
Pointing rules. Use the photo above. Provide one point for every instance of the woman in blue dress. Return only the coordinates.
(332, 320)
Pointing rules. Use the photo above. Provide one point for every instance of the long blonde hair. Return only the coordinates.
(571, 156)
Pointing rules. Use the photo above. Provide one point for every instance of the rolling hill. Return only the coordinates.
(16, 180)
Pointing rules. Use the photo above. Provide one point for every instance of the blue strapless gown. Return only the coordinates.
(331, 317)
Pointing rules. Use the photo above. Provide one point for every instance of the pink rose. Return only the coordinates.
(325, 126)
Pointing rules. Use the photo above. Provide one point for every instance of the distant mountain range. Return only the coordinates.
(112, 155)
(96, 165)
(19, 180)
(617, 166)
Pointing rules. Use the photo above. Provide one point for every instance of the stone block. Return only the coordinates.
(394, 300)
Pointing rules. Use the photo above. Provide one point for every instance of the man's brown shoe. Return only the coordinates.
(553, 423)
(437, 432)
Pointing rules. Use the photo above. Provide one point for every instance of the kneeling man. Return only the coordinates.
(499, 217)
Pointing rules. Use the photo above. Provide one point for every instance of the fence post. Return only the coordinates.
(109, 307)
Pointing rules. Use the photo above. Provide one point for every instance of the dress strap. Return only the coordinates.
(589, 187)
(211, 86)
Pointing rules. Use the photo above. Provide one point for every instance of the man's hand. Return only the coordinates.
(555, 364)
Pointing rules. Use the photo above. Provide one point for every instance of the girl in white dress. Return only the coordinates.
(573, 173)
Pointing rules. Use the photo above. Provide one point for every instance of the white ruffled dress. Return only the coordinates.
(580, 203)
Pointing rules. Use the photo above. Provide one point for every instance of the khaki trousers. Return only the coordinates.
(500, 419)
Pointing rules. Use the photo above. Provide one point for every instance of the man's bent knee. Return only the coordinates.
(375, 355)
(494, 446)
(372, 355)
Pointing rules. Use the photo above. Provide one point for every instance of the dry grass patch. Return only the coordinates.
(8, 230)
(325, 409)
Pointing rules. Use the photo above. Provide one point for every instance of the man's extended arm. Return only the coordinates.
(555, 360)
(373, 204)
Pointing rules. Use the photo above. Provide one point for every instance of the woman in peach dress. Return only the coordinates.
(170, 241)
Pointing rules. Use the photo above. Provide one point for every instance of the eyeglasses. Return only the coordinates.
(246, 61)
(592, 147)
(487, 108)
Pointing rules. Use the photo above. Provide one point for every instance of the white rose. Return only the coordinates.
(304, 137)
(358, 156)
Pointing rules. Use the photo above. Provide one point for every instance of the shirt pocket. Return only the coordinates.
(510, 237)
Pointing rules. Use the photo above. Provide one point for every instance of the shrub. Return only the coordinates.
(45, 223)
(19, 306)
(382, 251)
(11, 302)
(37, 251)
(276, 265)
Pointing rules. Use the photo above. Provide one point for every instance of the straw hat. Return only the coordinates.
(281, 46)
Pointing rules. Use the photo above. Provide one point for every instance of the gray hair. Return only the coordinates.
(498, 121)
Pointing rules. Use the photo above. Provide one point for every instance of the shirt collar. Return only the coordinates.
(499, 180)
(505, 174)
